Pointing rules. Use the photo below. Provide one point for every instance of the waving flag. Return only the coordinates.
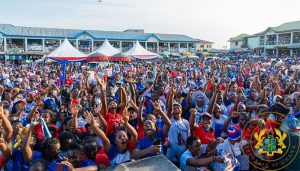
(45, 129)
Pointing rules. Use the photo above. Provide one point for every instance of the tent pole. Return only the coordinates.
(64, 67)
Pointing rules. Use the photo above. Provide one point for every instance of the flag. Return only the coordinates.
(45, 129)
(146, 92)
(108, 72)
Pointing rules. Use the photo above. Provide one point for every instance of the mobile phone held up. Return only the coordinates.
(157, 141)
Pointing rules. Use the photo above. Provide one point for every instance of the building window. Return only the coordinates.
(115, 44)
(236, 43)
(271, 40)
(51, 44)
(202, 46)
(163, 47)
(15, 46)
(73, 43)
(126, 46)
(262, 40)
(152, 46)
(85, 46)
(296, 37)
(284, 38)
(174, 47)
(143, 44)
(97, 44)
(34, 45)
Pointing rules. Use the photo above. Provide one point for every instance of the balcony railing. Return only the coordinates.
(35, 47)
(271, 42)
(17, 49)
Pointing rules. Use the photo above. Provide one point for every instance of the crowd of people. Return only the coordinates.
(200, 114)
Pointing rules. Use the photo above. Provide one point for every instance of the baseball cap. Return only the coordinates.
(234, 133)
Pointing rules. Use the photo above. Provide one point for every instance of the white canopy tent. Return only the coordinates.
(107, 49)
(139, 52)
(67, 53)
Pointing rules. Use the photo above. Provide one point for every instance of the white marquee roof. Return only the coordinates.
(139, 52)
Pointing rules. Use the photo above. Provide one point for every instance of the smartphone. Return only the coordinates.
(157, 141)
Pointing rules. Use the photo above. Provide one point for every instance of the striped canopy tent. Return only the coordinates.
(105, 52)
(137, 51)
(67, 53)
(97, 57)
(120, 57)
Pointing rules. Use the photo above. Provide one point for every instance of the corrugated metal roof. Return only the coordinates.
(174, 37)
(288, 26)
(20, 31)
(294, 25)
(239, 37)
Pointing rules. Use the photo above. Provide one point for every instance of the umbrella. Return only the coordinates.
(239, 51)
(97, 57)
(120, 57)
(164, 55)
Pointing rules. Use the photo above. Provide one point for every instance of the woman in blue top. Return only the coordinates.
(146, 146)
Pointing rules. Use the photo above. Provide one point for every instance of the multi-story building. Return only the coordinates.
(204, 46)
(32, 42)
(281, 40)
(238, 42)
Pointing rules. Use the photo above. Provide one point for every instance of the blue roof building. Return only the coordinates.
(36, 41)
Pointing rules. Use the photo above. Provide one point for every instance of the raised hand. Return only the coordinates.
(157, 106)
(89, 118)
(99, 107)
(125, 117)
(193, 111)
(100, 81)
(74, 109)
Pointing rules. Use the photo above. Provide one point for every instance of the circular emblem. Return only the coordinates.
(274, 141)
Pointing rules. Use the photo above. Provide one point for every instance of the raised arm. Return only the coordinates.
(212, 100)
(74, 111)
(26, 149)
(129, 128)
(103, 95)
(140, 111)
(132, 91)
(171, 99)
(234, 114)
(7, 125)
(189, 101)
(276, 88)
(193, 123)
(5, 150)
(101, 119)
(89, 118)
(164, 117)
(124, 99)
(226, 91)
(156, 79)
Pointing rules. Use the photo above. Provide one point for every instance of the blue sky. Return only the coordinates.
(212, 20)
